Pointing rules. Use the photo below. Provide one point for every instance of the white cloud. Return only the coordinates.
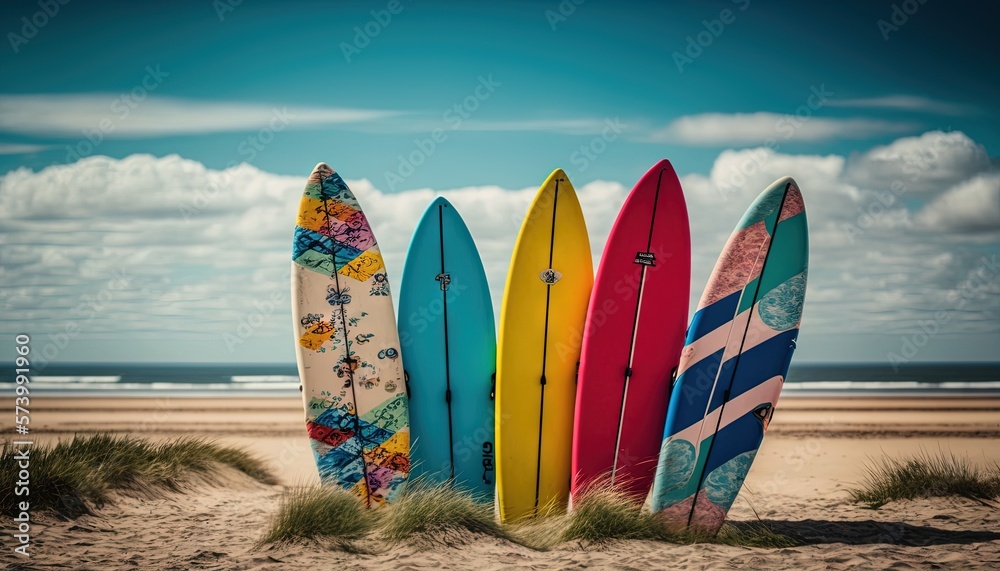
(970, 207)
(929, 163)
(903, 103)
(885, 274)
(19, 149)
(117, 115)
(748, 170)
(110, 115)
(199, 248)
(721, 129)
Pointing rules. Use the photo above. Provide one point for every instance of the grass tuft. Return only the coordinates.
(607, 514)
(319, 513)
(926, 475)
(72, 477)
(335, 516)
(426, 508)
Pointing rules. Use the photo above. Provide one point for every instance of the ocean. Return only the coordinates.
(278, 380)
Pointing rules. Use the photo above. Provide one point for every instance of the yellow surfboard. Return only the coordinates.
(541, 330)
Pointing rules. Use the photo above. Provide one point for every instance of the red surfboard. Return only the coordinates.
(633, 338)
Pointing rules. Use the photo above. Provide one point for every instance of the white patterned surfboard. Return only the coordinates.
(347, 345)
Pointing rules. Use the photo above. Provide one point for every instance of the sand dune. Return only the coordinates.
(216, 528)
(797, 486)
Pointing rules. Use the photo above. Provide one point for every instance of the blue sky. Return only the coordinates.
(730, 92)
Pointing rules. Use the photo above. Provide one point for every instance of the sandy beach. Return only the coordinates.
(815, 451)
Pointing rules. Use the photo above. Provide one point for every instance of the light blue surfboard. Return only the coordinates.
(448, 342)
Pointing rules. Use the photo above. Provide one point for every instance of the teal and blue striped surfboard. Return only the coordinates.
(734, 362)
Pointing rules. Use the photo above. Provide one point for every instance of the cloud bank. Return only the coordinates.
(150, 250)
(722, 129)
(145, 114)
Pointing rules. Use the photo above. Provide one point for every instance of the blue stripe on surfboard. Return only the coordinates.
(735, 445)
(742, 435)
(341, 465)
(695, 385)
(758, 364)
(692, 387)
(337, 417)
(761, 363)
(323, 247)
(764, 361)
(690, 395)
(734, 449)
(712, 317)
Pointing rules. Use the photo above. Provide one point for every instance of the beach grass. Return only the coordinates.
(607, 514)
(319, 513)
(72, 477)
(926, 475)
(425, 507)
(327, 513)
(336, 517)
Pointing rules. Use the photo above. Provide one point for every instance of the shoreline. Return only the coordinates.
(40, 392)
(865, 417)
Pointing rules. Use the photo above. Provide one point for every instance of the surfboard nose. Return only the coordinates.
(440, 201)
(781, 182)
(320, 172)
(662, 164)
